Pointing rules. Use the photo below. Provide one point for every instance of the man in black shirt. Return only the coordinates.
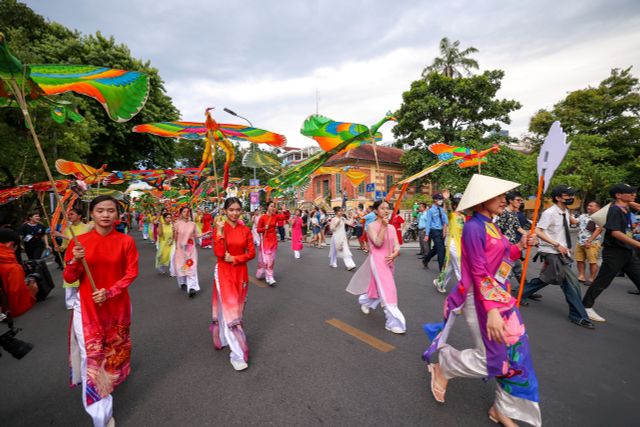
(618, 253)
(33, 234)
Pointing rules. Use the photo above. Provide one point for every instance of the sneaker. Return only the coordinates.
(351, 268)
(192, 293)
(271, 282)
(584, 323)
(183, 287)
(440, 289)
(239, 365)
(395, 330)
(333, 265)
(594, 316)
(365, 309)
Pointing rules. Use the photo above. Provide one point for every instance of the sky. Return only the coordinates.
(275, 61)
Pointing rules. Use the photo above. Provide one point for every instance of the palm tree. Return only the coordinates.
(451, 58)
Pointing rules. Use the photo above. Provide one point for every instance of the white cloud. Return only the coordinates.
(265, 60)
(356, 91)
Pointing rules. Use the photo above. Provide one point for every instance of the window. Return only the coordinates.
(389, 182)
(361, 189)
(318, 188)
(325, 188)
(338, 184)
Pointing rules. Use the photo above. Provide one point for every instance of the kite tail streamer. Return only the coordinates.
(403, 190)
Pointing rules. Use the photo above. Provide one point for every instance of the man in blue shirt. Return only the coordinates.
(435, 230)
(369, 217)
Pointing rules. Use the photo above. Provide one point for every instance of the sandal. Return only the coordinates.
(498, 418)
(435, 387)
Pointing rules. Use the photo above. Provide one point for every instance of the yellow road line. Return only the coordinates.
(361, 335)
(257, 282)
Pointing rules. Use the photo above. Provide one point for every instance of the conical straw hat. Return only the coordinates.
(482, 188)
(600, 217)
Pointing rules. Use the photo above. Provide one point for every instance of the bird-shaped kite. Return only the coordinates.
(462, 156)
(329, 133)
(82, 172)
(121, 93)
(344, 137)
(215, 133)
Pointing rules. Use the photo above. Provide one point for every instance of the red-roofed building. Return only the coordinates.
(362, 158)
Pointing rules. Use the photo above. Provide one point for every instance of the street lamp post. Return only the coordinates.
(233, 113)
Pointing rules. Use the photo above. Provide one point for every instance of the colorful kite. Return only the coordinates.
(269, 162)
(88, 174)
(317, 127)
(355, 176)
(329, 134)
(121, 93)
(10, 194)
(215, 134)
(462, 156)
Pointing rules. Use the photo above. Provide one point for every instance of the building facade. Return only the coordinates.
(336, 186)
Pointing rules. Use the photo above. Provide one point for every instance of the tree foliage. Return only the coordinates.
(451, 59)
(97, 140)
(462, 111)
(603, 126)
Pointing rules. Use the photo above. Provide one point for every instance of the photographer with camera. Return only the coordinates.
(21, 293)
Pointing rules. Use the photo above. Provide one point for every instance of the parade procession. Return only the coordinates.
(273, 213)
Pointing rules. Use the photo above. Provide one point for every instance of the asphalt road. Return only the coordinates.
(305, 371)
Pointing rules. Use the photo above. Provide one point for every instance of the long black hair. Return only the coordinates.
(377, 204)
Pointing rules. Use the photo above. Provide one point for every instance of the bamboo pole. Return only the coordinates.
(19, 95)
(40, 196)
(525, 265)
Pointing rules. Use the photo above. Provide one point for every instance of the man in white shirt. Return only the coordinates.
(555, 250)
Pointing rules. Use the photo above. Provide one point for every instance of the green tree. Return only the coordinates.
(603, 126)
(451, 59)
(461, 111)
(97, 140)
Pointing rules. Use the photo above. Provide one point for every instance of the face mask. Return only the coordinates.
(569, 201)
(439, 202)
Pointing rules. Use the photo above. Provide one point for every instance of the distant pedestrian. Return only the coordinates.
(509, 224)
(339, 243)
(422, 226)
(33, 236)
(436, 231)
(296, 233)
(555, 251)
(588, 247)
(618, 253)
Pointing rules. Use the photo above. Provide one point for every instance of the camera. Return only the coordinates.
(12, 345)
(8, 341)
